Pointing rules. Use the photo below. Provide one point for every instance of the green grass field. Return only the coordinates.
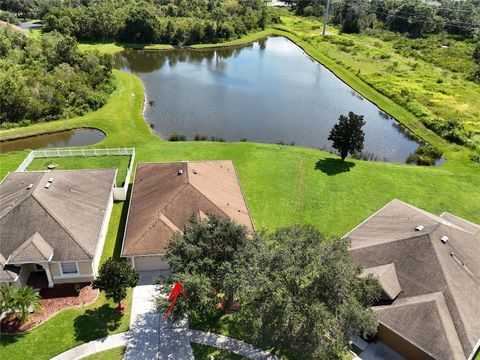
(94, 162)
(283, 185)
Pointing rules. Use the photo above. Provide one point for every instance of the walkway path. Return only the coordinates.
(224, 342)
(92, 347)
(150, 337)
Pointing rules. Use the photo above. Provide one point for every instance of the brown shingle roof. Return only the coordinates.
(425, 265)
(163, 201)
(68, 215)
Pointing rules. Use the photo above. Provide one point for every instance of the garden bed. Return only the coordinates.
(53, 300)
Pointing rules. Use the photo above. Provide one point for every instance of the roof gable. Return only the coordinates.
(68, 214)
(425, 263)
(34, 249)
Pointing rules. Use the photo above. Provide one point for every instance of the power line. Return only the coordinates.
(466, 25)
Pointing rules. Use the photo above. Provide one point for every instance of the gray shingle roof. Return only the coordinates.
(33, 249)
(425, 265)
(65, 218)
(387, 277)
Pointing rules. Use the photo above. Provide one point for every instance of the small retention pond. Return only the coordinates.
(75, 137)
(269, 91)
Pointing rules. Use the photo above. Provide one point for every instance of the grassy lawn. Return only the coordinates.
(283, 185)
(204, 352)
(76, 326)
(92, 162)
(113, 354)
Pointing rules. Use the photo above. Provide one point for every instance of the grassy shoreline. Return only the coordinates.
(451, 151)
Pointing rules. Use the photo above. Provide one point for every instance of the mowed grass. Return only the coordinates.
(285, 185)
(113, 354)
(90, 162)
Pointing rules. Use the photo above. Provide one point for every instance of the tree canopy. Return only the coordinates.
(49, 78)
(204, 259)
(294, 289)
(347, 136)
(303, 294)
(167, 21)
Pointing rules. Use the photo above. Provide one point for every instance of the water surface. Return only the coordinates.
(75, 137)
(269, 91)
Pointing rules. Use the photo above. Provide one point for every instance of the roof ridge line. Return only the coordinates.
(441, 298)
(392, 241)
(61, 225)
(208, 199)
(25, 198)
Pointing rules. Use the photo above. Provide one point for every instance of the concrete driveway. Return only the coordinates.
(150, 336)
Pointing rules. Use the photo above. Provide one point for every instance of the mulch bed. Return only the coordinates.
(53, 300)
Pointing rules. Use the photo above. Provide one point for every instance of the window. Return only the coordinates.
(69, 268)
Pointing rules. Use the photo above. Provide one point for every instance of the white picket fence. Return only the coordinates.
(119, 193)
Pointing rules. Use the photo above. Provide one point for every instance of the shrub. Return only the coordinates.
(199, 137)
(177, 137)
(424, 155)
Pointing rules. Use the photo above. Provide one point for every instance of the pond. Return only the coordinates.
(74, 137)
(268, 91)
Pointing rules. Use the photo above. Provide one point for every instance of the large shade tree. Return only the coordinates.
(305, 296)
(205, 259)
(347, 136)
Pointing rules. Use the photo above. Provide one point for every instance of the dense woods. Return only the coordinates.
(49, 78)
(175, 22)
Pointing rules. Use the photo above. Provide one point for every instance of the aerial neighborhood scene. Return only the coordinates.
(240, 179)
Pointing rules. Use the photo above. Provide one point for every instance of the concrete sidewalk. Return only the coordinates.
(226, 343)
(92, 347)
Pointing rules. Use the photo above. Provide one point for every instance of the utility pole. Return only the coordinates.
(325, 19)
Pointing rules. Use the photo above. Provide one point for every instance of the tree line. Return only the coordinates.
(177, 22)
(415, 18)
(49, 78)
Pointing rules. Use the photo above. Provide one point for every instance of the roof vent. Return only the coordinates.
(419, 228)
(179, 172)
(47, 185)
(29, 186)
(195, 171)
(50, 180)
(444, 239)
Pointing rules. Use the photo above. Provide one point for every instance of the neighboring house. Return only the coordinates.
(166, 195)
(53, 225)
(429, 269)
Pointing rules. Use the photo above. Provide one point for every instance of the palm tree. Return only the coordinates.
(7, 302)
(25, 298)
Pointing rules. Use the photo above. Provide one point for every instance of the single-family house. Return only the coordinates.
(53, 225)
(166, 195)
(429, 270)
